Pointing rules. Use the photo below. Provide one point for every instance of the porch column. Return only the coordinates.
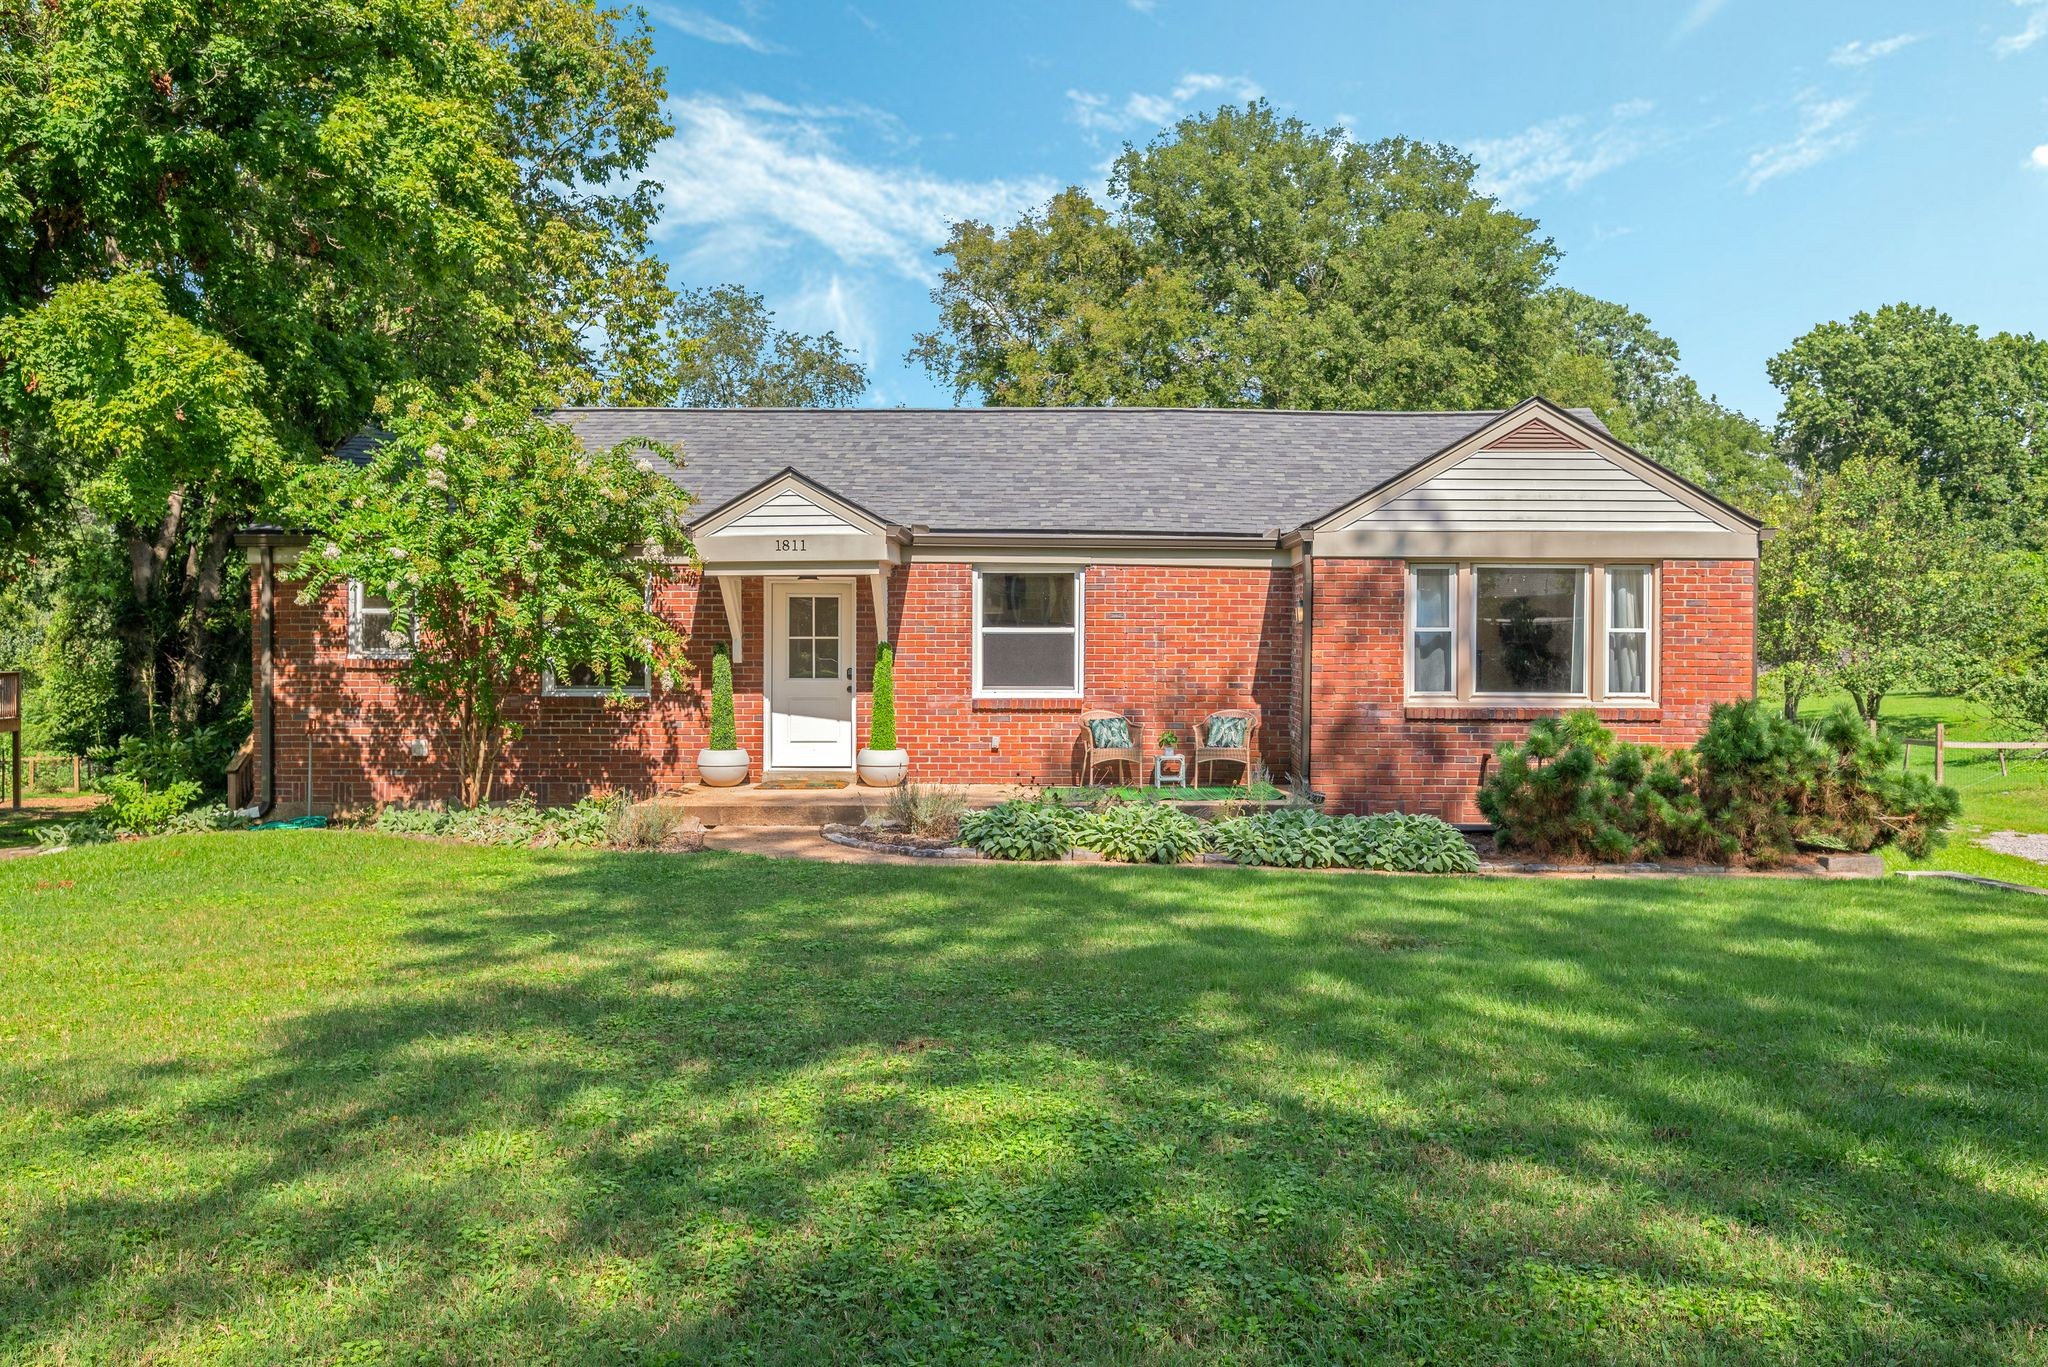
(729, 590)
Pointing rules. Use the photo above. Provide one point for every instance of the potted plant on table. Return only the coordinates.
(721, 763)
(880, 762)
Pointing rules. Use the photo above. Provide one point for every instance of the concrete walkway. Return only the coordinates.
(797, 842)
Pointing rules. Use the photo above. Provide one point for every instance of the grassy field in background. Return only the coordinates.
(340, 1097)
(2014, 801)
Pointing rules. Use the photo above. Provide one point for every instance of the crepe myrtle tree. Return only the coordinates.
(507, 549)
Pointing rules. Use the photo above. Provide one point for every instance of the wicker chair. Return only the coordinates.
(1206, 753)
(1093, 754)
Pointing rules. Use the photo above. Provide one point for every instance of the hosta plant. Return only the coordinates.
(1141, 833)
(1021, 830)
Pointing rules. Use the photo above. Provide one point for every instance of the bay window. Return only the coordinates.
(1575, 633)
(1027, 633)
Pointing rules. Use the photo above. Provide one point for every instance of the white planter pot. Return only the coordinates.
(882, 768)
(723, 768)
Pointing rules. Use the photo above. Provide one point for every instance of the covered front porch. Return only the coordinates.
(804, 580)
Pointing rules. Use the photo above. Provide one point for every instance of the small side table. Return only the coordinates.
(1169, 771)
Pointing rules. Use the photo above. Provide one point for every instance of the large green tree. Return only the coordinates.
(1659, 409)
(1869, 581)
(1249, 260)
(737, 358)
(1969, 413)
(506, 550)
(226, 225)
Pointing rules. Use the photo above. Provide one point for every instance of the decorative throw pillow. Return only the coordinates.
(1111, 733)
(1226, 733)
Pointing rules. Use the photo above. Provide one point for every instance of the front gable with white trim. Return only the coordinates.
(1539, 484)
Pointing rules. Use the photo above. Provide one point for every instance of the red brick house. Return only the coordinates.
(1393, 592)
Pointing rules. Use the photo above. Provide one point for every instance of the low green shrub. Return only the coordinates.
(1754, 788)
(134, 808)
(1770, 785)
(64, 835)
(1141, 833)
(1021, 830)
(217, 816)
(520, 822)
(162, 758)
(1303, 838)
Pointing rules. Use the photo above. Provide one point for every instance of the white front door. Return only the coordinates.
(810, 676)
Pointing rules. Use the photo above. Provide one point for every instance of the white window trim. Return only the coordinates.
(1647, 631)
(1079, 630)
(1408, 644)
(550, 689)
(1465, 639)
(356, 649)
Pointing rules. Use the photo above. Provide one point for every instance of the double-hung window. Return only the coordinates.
(582, 681)
(1628, 631)
(1574, 633)
(1434, 641)
(377, 630)
(1027, 633)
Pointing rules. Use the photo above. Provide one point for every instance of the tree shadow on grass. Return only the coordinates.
(720, 1107)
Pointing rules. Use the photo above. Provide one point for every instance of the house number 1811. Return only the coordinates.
(789, 543)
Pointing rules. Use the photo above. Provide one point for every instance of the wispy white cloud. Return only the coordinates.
(750, 183)
(2040, 156)
(1143, 6)
(1568, 151)
(1822, 133)
(1697, 18)
(1101, 113)
(698, 24)
(1857, 52)
(837, 305)
(2031, 32)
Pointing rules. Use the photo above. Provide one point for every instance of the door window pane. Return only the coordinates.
(825, 617)
(802, 657)
(826, 665)
(799, 616)
(1529, 630)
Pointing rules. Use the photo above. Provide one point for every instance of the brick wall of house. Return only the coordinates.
(1373, 753)
(1164, 644)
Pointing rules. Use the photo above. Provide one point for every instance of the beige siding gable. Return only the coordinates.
(1533, 484)
(788, 513)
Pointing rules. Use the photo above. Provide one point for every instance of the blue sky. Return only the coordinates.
(1738, 170)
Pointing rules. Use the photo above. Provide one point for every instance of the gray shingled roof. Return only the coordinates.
(1213, 471)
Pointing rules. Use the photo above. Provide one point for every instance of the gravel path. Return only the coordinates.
(2034, 847)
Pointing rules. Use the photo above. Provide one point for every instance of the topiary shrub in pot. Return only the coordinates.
(881, 763)
(721, 763)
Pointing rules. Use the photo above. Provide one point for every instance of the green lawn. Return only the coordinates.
(339, 1097)
(2014, 801)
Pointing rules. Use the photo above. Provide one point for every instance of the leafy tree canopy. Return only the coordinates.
(1659, 410)
(1246, 260)
(507, 549)
(225, 225)
(1869, 580)
(1967, 412)
(738, 358)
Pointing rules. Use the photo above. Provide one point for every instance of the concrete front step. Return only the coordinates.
(755, 807)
